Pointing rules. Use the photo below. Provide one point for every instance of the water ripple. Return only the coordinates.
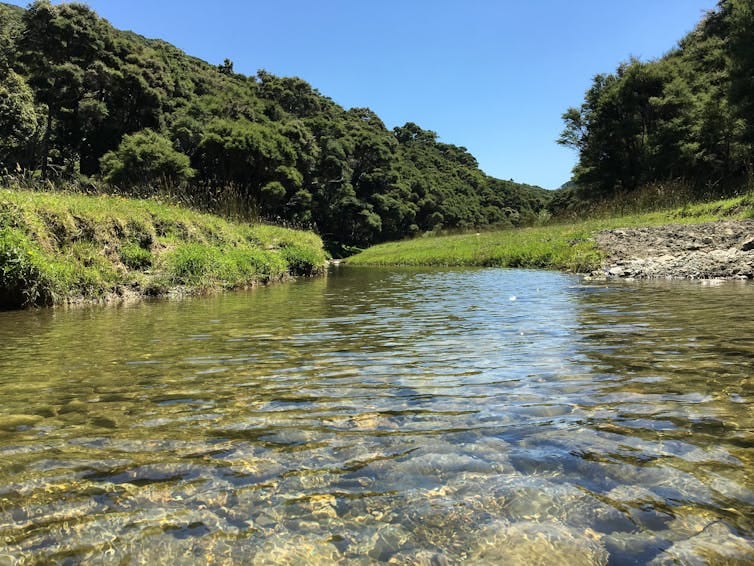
(385, 415)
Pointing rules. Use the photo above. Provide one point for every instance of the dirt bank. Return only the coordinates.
(713, 250)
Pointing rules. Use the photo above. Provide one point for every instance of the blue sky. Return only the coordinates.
(491, 75)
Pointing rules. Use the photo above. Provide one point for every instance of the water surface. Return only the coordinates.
(404, 416)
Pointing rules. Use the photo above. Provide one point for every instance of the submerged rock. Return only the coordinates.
(388, 541)
(295, 549)
(542, 501)
(715, 544)
(538, 543)
(13, 422)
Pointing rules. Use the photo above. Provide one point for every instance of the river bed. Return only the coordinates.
(385, 415)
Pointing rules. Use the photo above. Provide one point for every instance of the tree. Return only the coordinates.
(6, 50)
(18, 121)
(226, 67)
(146, 158)
(688, 116)
(294, 95)
(615, 127)
(741, 49)
(57, 45)
(256, 160)
(410, 133)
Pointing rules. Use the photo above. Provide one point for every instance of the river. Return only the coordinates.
(403, 415)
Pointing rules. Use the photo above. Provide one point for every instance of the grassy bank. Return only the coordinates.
(562, 246)
(60, 248)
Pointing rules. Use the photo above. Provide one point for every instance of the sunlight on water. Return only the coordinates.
(402, 416)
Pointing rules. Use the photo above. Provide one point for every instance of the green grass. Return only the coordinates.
(208, 266)
(60, 247)
(562, 246)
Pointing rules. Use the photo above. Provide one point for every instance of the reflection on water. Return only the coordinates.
(401, 416)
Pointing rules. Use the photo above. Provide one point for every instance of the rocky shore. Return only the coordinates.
(713, 250)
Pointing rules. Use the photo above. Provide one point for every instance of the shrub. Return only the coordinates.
(145, 157)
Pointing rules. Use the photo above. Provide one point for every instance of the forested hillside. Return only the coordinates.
(684, 122)
(85, 103)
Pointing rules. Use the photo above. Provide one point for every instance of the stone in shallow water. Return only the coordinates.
(441, 465)
(323, 505)
(715, 544)
(425, 470)
(528, 542)
(285, 548)
(12, 422)
(634, 548)
(731, 488)
(420, 558)
(633, 494)
(388, 541)
(533, 499)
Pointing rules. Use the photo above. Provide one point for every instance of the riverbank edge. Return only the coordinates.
(643, 246)
(723, 249)
(68, 249)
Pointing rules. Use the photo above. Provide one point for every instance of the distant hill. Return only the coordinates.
(90, 103)
(11, 15)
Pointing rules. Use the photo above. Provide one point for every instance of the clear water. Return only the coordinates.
(403, 416)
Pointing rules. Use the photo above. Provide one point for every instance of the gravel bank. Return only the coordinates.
(714, 250)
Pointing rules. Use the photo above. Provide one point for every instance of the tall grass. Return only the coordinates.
(657, 197)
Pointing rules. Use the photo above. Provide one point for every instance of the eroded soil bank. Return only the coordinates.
(713, 250)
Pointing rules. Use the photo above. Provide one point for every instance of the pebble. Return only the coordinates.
(714, 250)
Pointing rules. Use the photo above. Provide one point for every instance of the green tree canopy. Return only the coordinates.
(18, 121)
(686, 118)
(145, 158)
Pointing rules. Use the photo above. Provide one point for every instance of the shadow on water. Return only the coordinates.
(406, 415)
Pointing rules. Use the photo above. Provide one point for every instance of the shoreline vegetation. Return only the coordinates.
(60, 248)
(89, 108)
(66, 248)
(567, 246)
